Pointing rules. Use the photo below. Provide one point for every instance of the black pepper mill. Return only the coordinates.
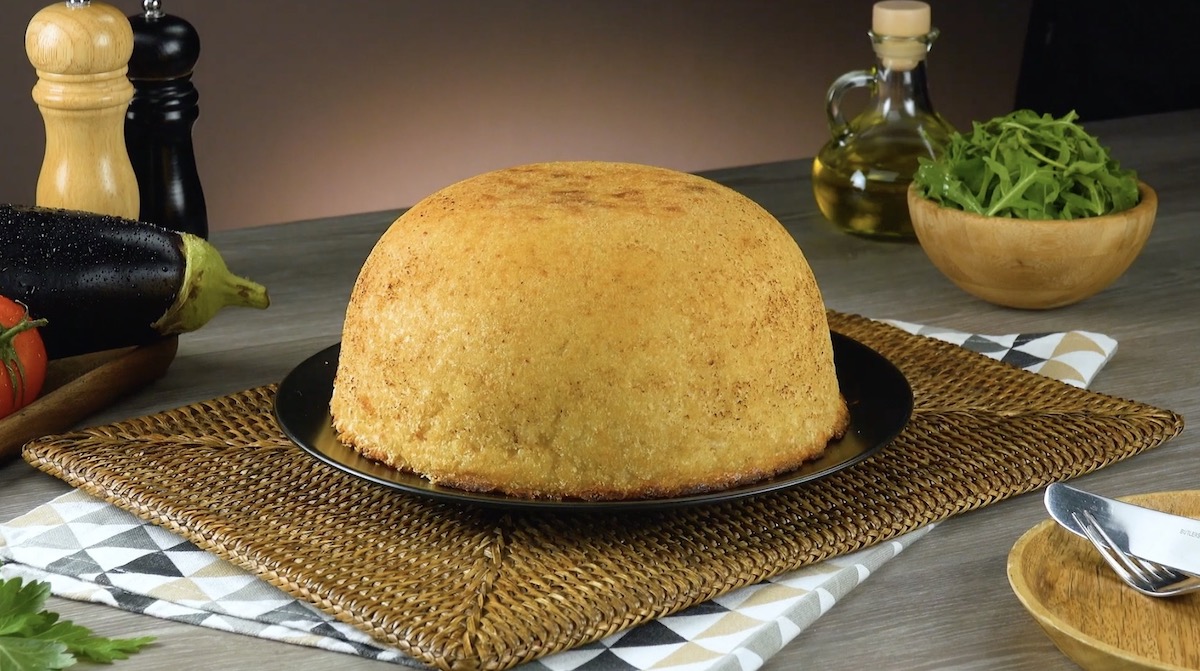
(158, 123)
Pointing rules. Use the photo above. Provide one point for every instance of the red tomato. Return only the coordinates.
(22, 355)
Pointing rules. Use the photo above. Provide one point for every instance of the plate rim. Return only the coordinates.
(843, 345)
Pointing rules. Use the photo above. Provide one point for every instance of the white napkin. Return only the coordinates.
(90, 550)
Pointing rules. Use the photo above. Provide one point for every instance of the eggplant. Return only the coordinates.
(104, 282)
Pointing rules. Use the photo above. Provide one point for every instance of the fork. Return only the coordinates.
(1149, 578)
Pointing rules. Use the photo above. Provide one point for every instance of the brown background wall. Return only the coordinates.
(315, 108)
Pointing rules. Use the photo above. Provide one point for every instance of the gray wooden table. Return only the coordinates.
(945, 603)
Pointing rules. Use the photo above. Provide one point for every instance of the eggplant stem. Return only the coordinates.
(207, 286)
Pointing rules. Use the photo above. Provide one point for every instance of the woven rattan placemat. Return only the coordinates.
(461, 587)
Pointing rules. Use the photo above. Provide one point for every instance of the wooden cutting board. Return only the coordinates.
(77, 387)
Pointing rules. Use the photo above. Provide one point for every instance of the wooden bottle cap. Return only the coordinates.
(901, 18)
(899, 28)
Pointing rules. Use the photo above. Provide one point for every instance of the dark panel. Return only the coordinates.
(1109, 58)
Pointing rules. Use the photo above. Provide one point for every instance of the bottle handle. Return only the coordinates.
(838, 127)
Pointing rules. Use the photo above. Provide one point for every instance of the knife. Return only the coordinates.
(1160, 537)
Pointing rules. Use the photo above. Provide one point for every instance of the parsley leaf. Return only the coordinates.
(21, 606)
(1028, 166)
(26, 654)
(34, 639)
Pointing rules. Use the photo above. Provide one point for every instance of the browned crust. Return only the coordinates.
(718, 482)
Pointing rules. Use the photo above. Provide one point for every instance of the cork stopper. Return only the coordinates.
(901, 18)
(902, 30)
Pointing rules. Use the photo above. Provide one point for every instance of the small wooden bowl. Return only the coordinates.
(1031, 264)
(1093, 617)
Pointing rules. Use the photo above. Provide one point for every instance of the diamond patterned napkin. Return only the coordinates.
(90, 550)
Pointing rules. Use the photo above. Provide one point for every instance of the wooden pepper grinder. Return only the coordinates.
(158, 124)
(80, 50)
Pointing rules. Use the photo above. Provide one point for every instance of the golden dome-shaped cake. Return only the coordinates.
(587, 330)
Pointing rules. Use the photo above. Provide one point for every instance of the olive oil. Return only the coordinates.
(861, 176)
(863, 189)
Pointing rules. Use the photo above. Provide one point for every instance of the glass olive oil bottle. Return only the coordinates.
(861, 175)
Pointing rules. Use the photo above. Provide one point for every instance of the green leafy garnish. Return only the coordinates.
(34, 639)
(1028, 166)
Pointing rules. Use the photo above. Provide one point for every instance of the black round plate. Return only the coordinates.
(879, 397)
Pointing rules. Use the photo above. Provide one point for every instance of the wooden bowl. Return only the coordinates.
(1031, 264)
(1093, 617)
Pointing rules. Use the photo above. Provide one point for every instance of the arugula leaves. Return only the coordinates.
(33, 639)
(1026, 166)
